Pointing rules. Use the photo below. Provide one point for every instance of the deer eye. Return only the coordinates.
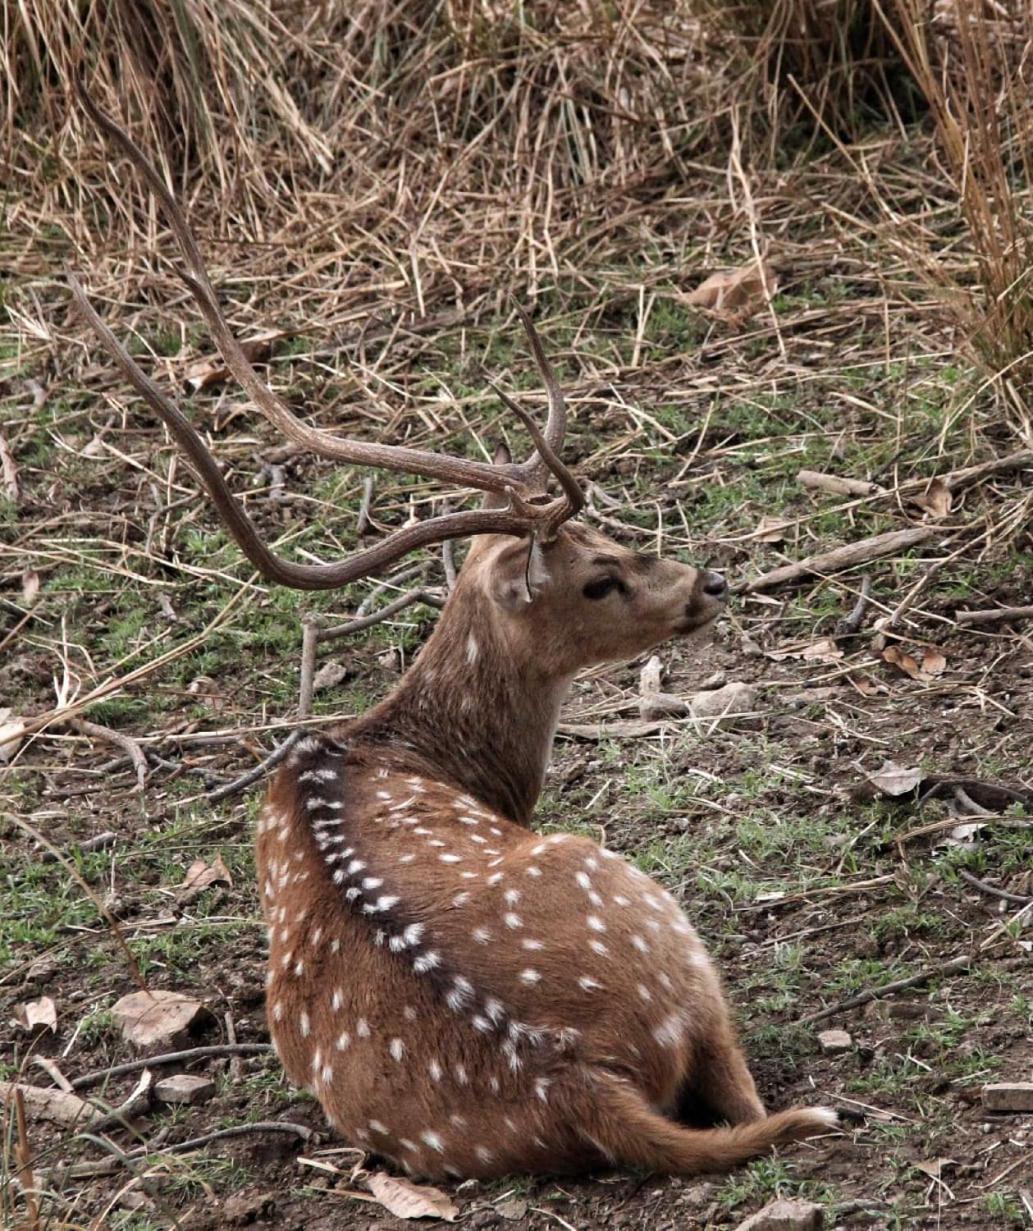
(602, 587)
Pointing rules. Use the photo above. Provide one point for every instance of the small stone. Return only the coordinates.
(157, 1018)
(184, 1088)
(727, 704)
(247, 1206)
(832, 1042)
(717, 680)
(783, 1215)
(1008, 1096)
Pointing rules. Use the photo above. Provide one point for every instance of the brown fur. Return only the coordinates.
(464, 996)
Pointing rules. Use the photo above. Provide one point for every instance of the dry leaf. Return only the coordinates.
(30, 586)
(207, 372)
(407, 1200)
(35, 1014)
(329, 675)
(156, 1017)
(770, 529)
(735, 294)
(935, 1167)
(894, 779)
(823, 651)
(200, 874)
(11, 731)
(936, 500)
(8, 471)
(933, 663)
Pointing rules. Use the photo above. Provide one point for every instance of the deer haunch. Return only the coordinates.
(465, 997)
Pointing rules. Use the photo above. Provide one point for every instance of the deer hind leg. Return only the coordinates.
(719, 1086)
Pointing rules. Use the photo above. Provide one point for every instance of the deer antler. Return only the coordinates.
(523, 483)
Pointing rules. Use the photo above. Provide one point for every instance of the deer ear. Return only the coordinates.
(495, 500)
(521, 575)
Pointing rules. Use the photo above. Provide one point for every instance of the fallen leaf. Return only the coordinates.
(11, 731)
(30, 586)
(823, 651)
(936, 500)
(34, 1014)
(932, 664)
(156, 1017)
(329, 675)
(407, 1200)
(894, 779)
(512, 1210)
(200, 874)
(8, 471)
(737, 293)
(898, 658)
(770, 529)
(207, 372)
(935, 1167)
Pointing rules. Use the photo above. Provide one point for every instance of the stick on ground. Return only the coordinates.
(843, 557)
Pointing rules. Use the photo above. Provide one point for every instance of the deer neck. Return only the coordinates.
(474, 710)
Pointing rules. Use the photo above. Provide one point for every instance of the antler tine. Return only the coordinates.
(575, 497)
(517, 520)
(462, 471)
(535, 468)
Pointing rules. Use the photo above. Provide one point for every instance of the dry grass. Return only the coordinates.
(976, 73)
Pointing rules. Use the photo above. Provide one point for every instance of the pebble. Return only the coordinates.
(184, 1088)
(783, 1215)
(1008, 1096)
(832, 1042)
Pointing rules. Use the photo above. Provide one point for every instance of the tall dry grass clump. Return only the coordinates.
(425, 147)
(974, 65)
(808, 66)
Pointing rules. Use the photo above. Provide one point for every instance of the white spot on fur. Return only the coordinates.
(472, 649)
(530, 976)
(512, 921)
(588, 984)
(397, 1049)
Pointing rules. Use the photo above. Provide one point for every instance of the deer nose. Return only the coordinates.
(714, 585)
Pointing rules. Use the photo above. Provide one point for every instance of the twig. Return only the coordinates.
(172, 1057)
(888, 989)
(992, 890)
(816, 480)
(994, 615)
(23, 1160)
(842, 557)
(851, 624)
(256, 771)
(363, 523)
(128, 745)
(98, 842)
(306, 1134)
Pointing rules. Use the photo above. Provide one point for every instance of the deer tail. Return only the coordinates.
(622, 1124)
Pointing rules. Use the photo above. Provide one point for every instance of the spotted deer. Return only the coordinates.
(461, 994)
